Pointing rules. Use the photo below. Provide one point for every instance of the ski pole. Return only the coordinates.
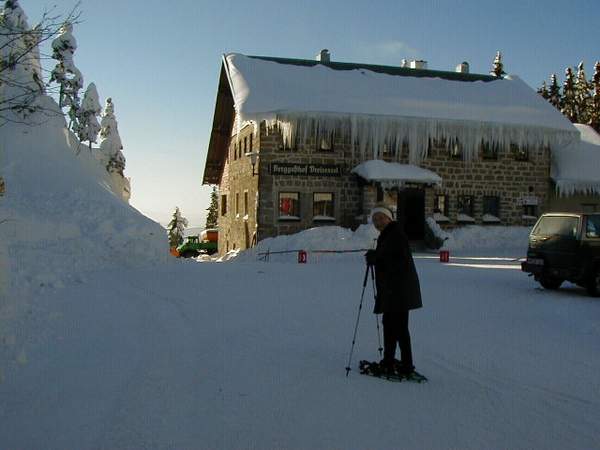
(357, 319)
(380, 349)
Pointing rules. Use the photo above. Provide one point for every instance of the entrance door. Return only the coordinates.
(411, 212)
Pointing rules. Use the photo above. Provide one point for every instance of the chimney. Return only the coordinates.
(418, 64)
(324, 56)
(463, 67)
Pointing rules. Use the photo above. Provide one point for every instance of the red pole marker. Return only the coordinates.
(302, 257)
(444, 256)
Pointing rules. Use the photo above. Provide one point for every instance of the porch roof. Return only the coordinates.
(391, 174)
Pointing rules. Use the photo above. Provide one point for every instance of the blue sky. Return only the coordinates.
(160, 61)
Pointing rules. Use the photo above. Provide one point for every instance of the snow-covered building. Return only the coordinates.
(576, 174)
(299, 143)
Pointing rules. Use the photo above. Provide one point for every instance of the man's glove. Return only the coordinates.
(371, 257)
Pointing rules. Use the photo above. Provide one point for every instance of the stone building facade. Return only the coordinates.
(517, 183)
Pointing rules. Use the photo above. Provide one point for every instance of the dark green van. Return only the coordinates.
(565, 246)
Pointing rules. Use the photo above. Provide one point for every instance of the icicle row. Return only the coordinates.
(368, 134)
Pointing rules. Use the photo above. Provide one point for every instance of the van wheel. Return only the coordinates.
(551, 283)
(593, 286)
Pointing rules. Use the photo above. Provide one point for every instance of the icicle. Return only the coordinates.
(368, 133)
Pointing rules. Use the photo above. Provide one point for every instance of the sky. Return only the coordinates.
(159, 61)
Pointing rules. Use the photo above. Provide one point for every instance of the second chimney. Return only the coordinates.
(324, 56)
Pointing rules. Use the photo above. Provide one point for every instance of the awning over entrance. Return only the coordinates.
(390, 174)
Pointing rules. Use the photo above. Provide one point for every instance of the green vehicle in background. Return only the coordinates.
(565, 247)
(194, 246)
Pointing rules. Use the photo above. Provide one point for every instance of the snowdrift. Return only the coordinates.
(64, 213)
(472, 240)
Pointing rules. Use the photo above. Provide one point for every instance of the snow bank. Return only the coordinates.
(576, 169)
(476, 240)
(374, 109)
(330, 238)
(490, 240)
(62, 215)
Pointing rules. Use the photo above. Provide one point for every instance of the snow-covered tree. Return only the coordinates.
(176, 227)
(583, 95)
(111, 145)
(20, 69)
(88, 112)
(554, 92)
(213, 210)
(498, 66)
(594, 119)
(568, 104)
(66, 74)
(543, 90)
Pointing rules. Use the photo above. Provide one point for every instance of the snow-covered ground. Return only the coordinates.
(252, 355)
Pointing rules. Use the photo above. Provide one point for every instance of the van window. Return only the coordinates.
(557, 226)
(592, 229)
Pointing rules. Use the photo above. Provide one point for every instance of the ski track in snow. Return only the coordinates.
(252, 355)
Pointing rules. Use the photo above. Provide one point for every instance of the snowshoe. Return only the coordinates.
(391, 373)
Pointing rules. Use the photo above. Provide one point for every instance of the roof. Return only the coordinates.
(390, 173)
(263, 87)
(576, 168)
(378, 105)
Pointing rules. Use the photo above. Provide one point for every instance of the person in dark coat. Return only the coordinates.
(398, 289)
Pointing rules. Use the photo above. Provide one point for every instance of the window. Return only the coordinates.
(589, 207)
(440, 204)
(557, 226)
(519, 153)
(491, 206)
(223, 205)
(592, 228)
(323, 206)
(235, 151)
(530, 210)
(245, 146)
(289, 205)
(251, 141)
(489, 151)
(324, 142)
(245, 203)
(465, 205)
(379, 193)
(456, 150)
(237, 203)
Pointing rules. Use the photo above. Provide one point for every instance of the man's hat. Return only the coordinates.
(383, 210)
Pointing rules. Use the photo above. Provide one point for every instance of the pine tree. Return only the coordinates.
(594, 119)
(66, 74)
(88, 121)
(543, 91)
(554, 92)
(111, 146)
(568, 104)
(20, 67)
(583, 95)
(498, 66)
(176, 228)
(213, 210)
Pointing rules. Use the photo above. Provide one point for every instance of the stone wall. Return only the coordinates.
(347, 196)
(506, 177)
(237, 230)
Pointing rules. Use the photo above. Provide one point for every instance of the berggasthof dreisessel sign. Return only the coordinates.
(322, 170)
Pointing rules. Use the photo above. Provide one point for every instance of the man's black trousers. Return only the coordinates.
(395, 330)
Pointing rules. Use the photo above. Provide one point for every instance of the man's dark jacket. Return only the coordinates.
(396, 276)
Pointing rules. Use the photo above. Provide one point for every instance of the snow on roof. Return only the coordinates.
(377, 107)
(396, 174)
(576, 168)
